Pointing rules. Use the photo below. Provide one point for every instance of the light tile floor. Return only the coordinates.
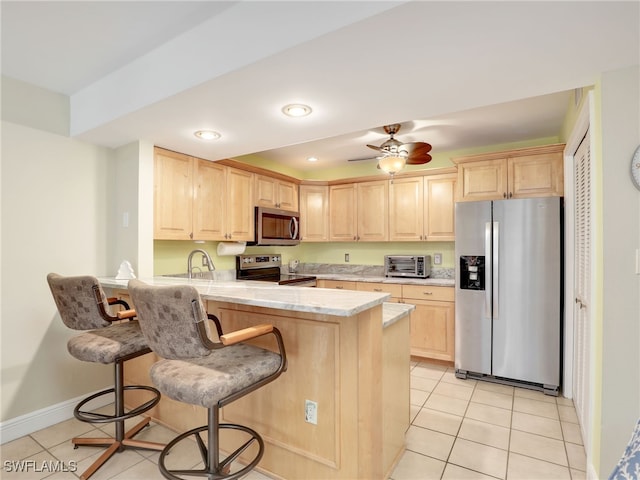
(460, 429)
(466, 429)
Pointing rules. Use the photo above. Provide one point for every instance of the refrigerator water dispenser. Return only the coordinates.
(471, 272)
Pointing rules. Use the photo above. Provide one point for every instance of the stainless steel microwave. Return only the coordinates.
(276, 227)
(416, 266)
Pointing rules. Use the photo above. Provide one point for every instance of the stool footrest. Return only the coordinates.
(95, 417)
(220, 471)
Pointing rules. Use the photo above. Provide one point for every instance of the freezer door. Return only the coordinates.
(473, 313)
(527, 290)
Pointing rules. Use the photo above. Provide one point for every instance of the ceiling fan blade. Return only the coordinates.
(361, 159)
(417, 147)
(419, 159)
(379, 149)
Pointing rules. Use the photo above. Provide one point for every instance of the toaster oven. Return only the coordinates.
(415, 266)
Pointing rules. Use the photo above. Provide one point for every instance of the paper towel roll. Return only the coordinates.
(231, 248)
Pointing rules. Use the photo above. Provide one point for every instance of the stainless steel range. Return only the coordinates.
(266, 268)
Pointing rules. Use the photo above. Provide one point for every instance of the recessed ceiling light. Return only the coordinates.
(312, 159)
(207, 135)
(296, 110)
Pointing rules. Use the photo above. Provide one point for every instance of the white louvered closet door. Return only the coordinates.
(582, 287)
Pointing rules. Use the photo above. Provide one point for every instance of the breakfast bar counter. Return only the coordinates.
(347, 351)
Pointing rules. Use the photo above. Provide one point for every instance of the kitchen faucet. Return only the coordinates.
(206, 261)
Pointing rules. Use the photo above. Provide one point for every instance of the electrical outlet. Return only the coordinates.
(310, 412)
(346, 257)
(437, 259)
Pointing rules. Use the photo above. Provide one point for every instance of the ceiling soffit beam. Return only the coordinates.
(238, 36)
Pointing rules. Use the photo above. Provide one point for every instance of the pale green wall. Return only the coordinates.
(171, 256)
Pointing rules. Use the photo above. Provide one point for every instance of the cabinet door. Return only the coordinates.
(172, 196)
(536, 176)
(314, 213)
(266, 191)
(373, 211)
(343, 213)
(274, 193)
(432, 330)
(440, 207)
(209, 215)
(239, 202)
(406, 209)
(288, 196)
(482, 180)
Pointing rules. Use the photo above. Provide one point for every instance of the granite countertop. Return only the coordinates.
(444, 282)
(392, 312)
(301, 299)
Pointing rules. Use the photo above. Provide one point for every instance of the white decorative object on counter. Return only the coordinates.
(231, 248)
(125, 272)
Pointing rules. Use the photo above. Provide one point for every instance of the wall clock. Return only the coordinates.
(635, 168)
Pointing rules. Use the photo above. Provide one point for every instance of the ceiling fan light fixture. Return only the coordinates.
(296, 110)
(392, 163)
(207, 135)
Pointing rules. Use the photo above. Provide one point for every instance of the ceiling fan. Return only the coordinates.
(394, 154)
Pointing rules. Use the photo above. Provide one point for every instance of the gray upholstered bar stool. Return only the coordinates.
(107, 339)
(200, 370)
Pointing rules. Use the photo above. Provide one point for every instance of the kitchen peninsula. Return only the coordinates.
(348, 351)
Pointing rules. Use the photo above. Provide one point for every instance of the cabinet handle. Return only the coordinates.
(428, 293)
(510, 194)
(339, 287)
(504, 195)
(377, 289)
(191, 235)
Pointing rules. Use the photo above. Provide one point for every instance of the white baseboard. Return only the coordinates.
(45, 417)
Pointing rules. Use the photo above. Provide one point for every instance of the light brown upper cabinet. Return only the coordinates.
(440, 207)
(343, 213)
(422, 208)
(172, 196)
(314, 213)
(195, 199)
(522, 173)
(239, 206)
(276, 193)
(373, 211)
(359, 212)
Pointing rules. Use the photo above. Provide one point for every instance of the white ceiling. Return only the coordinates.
(455, 74)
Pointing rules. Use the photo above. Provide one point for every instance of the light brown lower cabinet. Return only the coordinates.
(432, 322)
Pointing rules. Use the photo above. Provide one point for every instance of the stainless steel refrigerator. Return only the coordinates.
(508, 322)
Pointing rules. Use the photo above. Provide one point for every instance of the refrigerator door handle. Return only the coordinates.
(488, 282)
(495, 287)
